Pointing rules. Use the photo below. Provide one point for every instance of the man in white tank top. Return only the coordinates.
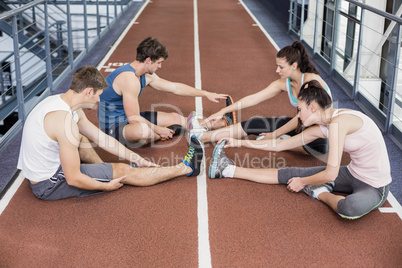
(55, 146)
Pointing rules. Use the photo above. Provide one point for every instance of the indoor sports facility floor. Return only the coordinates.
(197, 222)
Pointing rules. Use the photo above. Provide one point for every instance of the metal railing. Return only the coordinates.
(359, 44)
(41, 42)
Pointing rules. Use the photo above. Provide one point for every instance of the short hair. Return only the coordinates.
(313, 91)
(87, 76)
(151, 47)
(298, 53)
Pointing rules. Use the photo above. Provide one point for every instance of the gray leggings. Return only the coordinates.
(362, 198)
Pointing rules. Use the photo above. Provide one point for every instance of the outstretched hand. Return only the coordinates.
(212, 119)
(215, 97)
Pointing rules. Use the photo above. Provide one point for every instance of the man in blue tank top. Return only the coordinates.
(119, 109)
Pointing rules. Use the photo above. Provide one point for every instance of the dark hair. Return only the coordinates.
(87, 76)
(297, 53)
(313, 91)
(151, 47)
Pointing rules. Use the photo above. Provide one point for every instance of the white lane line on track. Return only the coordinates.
(204, 252)
(10, 192)
(259, 25)
(123, 34)
(396, 207)
(17, 183)
(391, 199)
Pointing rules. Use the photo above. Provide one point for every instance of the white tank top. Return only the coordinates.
(39, 155)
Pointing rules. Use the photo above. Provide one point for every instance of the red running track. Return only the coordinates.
(250, 225)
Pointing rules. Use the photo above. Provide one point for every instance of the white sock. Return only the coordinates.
(196, 124)
(319, 191)
(197, 132)
(229, 171)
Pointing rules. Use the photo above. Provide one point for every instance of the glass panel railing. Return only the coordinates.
(48, 37)
(358, 42)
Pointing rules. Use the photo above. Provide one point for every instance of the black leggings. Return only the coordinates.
(258, 125)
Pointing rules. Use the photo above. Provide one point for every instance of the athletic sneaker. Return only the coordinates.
(229, 118)
(177, 129)
(194, 156)
(193, 127)
(309, 189)
(284, 136)
(259, 137)
(220, 161)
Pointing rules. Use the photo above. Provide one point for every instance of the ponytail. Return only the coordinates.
(313, 91)
(297, 53)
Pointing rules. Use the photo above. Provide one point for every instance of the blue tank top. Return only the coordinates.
(292, 99)
(110, 108)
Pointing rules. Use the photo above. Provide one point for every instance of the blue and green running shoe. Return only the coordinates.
(194, 156)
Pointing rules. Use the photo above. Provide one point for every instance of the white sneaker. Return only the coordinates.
(220, 161)
(314, 190)
(193, 127)
(260, 137)
(284, 136)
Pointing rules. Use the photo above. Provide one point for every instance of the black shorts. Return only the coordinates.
(258, 125)
(116, 130)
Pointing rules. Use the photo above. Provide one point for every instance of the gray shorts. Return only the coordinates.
(57, 187)
(362, 198)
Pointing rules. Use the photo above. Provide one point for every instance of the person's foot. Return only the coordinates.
(314, 190)
(177, 129)
(229, 118)
(220, 161)
(194, 156)
(194, 127)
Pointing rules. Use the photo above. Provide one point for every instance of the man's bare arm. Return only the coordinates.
(108, 143)
(60, 127)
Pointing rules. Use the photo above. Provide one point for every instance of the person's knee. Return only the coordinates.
(136, 132)
(120, 169)
(177, 118)
(254, 126)
(350, 210)
(84, 143)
